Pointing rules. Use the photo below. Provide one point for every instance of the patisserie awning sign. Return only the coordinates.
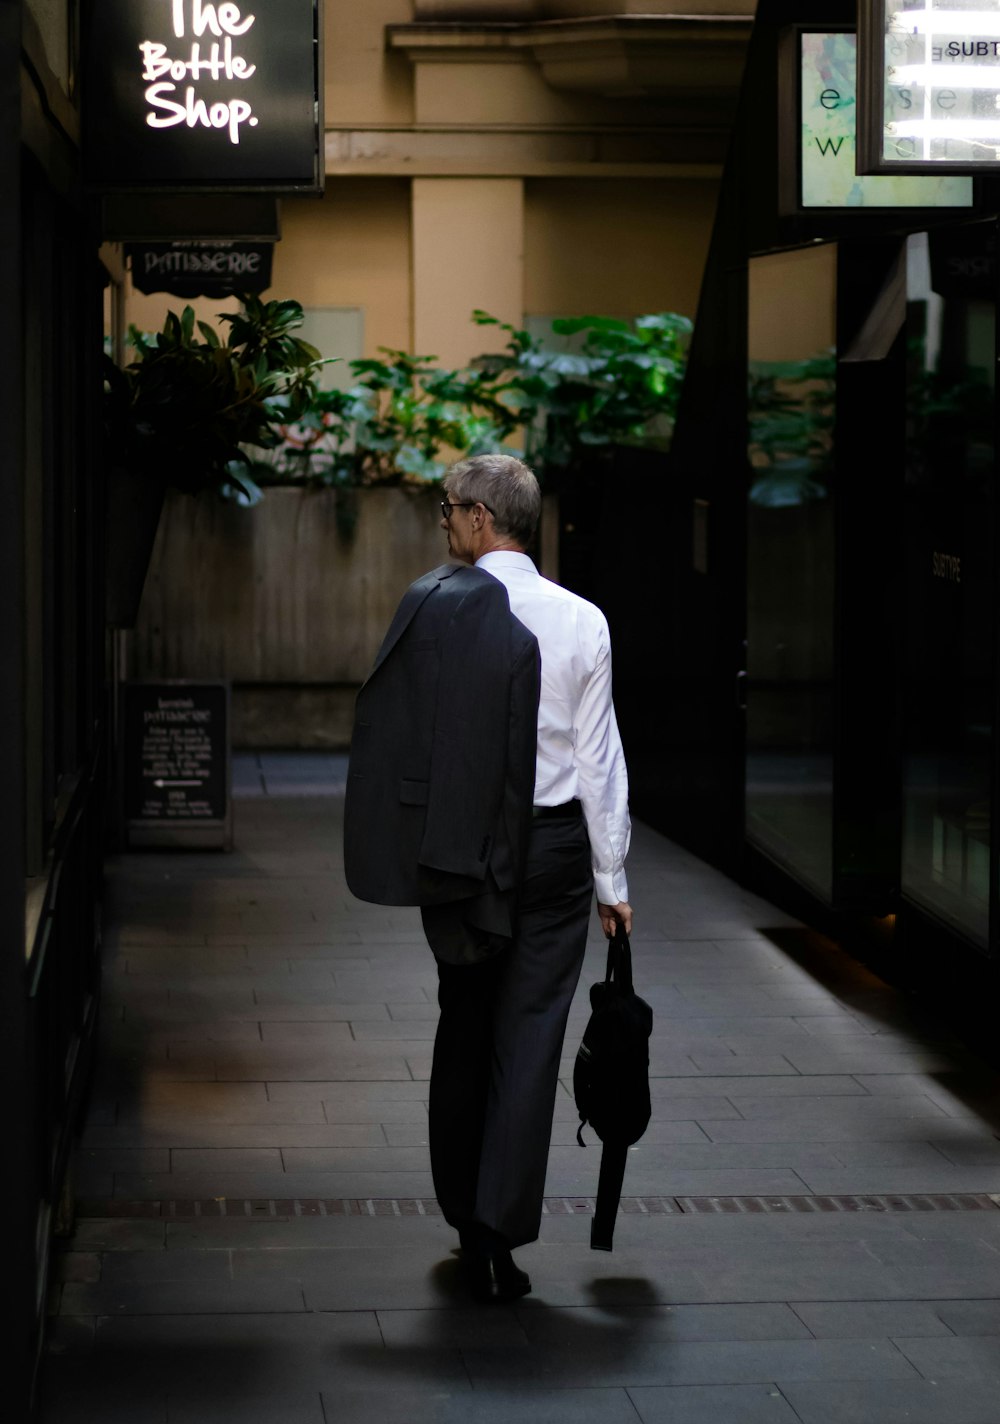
(187, 95)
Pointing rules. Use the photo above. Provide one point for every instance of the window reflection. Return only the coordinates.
(947, 655)
(790, 557)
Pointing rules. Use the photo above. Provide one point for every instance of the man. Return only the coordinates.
(509, 956)
(496, 1057)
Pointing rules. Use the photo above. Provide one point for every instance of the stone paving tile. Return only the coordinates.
(245, 1136)
(346, 1064)
(838, 1130)
(342, 1159)
(971, 1151)
(174, 1115)
(426, 1010)
(845, 1105)
(262, 1185)
(333, 1012)
(288, 1406)
(123, 1159)
(712, 1404)
(322, 1234)
(562, 1406)
(365, 1092)
(898, 1402)
(245, 1351)
(181, 1297)
(338, 996)
(574, 1177)
(597, 1360)
(153, 1266)
(317, 1035)
(78, 1266)
(410, 1030)
(664, 1322)
(943, 1178)
(212, 1160)
(756, 1088)
(456, 1329)
(647, 1157)
(78, 1392)
(968, 1317)
(118, 1235)
(875, 1319)
(734, 1065)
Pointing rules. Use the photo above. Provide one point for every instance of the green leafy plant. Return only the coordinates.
(620, 386)
(401, 423)
(185, 408)
(405, 419)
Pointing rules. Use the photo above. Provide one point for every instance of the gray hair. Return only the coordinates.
(506, 486)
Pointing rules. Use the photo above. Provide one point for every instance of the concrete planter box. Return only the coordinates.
(277, 600)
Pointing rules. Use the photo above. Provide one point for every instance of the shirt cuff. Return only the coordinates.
(611, 888)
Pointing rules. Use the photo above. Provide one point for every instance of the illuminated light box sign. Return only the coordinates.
(828, 114)
(930, 86)
(184, 95)
(201, 269)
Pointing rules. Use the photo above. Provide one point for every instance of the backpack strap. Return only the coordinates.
(609, 1190)
(619, 970)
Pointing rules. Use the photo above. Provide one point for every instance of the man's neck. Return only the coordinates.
(504, 546)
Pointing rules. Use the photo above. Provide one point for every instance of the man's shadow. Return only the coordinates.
(510, 1341)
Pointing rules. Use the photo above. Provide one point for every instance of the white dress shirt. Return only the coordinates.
(579, 746)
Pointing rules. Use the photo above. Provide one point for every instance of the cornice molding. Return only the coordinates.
(625, 56)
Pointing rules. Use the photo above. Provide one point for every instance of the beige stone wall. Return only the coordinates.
(280, 602)
(364, 85)
(619, 247)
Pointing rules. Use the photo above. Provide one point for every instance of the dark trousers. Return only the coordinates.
(499, 1042)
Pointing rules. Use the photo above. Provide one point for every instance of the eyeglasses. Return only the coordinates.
(447, 507)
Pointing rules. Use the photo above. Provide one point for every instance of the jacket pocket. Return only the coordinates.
(413, 793)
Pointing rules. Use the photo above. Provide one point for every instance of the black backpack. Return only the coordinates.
(611, 1080)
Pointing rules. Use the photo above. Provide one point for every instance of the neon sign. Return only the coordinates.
(185, 95)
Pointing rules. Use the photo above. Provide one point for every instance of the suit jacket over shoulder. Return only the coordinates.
(442, 758)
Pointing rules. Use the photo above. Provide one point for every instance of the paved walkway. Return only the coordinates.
(257, 1242)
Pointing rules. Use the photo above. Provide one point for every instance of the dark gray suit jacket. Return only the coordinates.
(442, 765)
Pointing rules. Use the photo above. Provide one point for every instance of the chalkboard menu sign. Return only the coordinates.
(187, 95)
(175, 772)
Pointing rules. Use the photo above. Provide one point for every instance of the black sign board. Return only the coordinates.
(175, 771)
(201, 269)
(187, 95)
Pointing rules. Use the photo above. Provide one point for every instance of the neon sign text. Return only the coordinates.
(162, 72)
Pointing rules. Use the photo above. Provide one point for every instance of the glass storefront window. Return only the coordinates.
(790, 562)
(948, 622)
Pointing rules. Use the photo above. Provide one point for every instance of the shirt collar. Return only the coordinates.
(505, 559)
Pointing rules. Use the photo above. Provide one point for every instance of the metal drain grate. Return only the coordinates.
(284, 1208)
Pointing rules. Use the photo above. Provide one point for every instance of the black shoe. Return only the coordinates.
(490, 1270)
(509, 1281)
